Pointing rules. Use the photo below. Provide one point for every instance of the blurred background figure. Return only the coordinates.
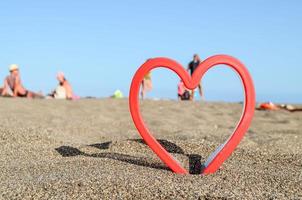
(117, 95)
(64, 89)
(191, 68)
(183, 92)
(13, 86)
(272, 106)
(146, 85)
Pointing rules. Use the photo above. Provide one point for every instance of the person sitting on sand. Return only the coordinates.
(1, 90)
(63, 90)
(183, 92)
(191, 68)
(272, 106)
(13, 86)
(146, 85)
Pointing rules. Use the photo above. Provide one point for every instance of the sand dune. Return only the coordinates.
(91, 149)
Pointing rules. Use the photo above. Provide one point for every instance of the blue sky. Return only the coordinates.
(100, 44)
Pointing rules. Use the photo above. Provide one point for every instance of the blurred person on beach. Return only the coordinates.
(272, 106)
(117, 95)
(64, 89)
(146, 85)
(182, 91)
(191, 68)
(1, 90)
(13, 86)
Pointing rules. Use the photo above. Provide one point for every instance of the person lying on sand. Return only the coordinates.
(272, 106)
(13, 86)
(63, 90)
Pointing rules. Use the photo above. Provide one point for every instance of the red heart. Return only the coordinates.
(216, 159)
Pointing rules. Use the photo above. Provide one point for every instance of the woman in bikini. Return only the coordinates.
(14, 87)
(182, 92)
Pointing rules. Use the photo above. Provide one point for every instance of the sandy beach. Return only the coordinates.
(90, 149)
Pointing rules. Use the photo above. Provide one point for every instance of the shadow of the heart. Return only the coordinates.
(195, 166)
(101, 146)
(169, 146)
(67, 151)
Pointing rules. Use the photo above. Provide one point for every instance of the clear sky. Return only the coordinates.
(100, 44)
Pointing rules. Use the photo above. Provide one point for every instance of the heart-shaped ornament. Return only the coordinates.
(217, 158)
